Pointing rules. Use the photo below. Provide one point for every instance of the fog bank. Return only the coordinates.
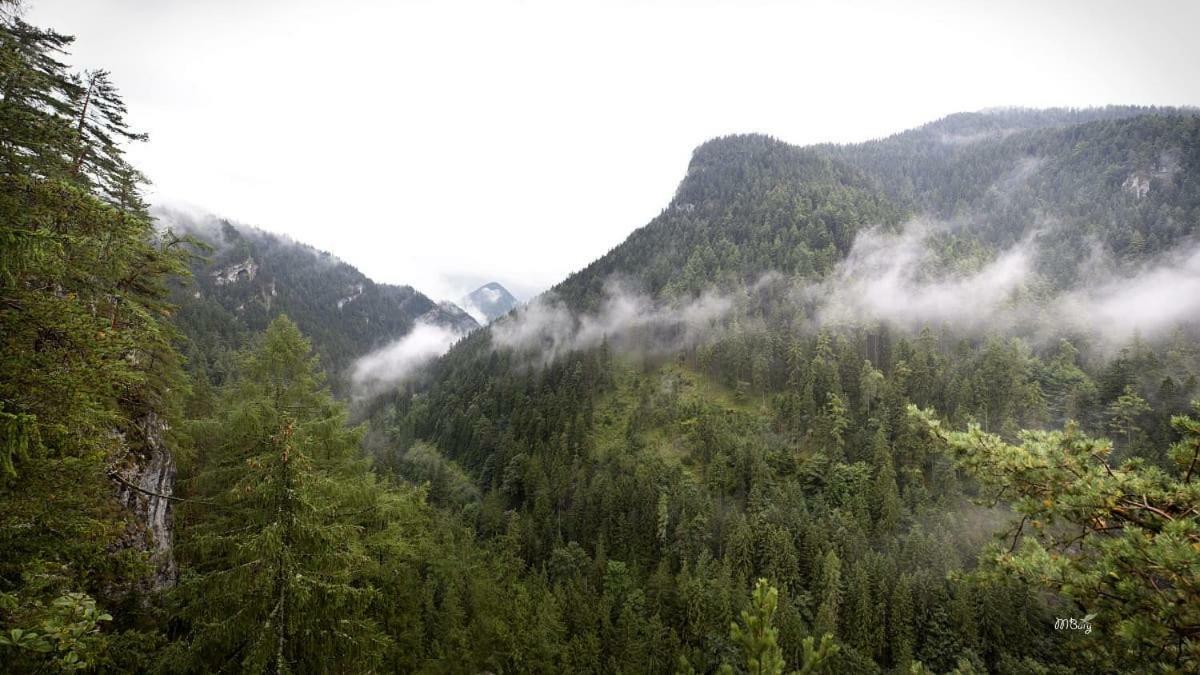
(390, 365)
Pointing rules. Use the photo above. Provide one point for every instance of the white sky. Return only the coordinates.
(444, 144)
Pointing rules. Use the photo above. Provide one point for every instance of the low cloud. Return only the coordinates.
(895, 277)
(891, 276)
(392, 364)
(627, 318)
(1158, 298)
(475, 310)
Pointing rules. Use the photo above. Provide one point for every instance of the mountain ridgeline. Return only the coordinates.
(1120, 177)
(925, 404)
(245, 277)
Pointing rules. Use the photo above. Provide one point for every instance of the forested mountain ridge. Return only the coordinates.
(247, 276)
(705, 416)
(1124, 177)
(748, 204)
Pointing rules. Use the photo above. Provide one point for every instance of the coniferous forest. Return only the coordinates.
(773, 431)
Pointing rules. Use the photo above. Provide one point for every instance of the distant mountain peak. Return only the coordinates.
(489, 302)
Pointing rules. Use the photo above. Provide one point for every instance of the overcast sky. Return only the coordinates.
(444, 144)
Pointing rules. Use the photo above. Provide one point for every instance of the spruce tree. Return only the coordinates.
(830, 594)
(900, 622)
(88, 370)
(275, 563)
(885, 495)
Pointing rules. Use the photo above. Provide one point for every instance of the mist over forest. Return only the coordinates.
(928, 403)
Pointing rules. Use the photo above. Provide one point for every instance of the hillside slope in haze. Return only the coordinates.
(250, 276)
(1122, 180)
(728, 395)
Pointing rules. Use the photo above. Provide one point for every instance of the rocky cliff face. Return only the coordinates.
(145, 483)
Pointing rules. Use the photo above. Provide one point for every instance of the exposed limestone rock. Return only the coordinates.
(451, 316)
(145, 483)
(356, 291)
(1167, 165)
(1138, 183)
(243, 271)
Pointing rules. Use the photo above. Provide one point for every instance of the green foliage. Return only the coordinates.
(1122, 542)
(885, 494)
(1123, 414)
(758, 639)
(86, 357)
(749, 204)
(1003, 170)
(275, 575)
(68, 638)
(655, 463)
(610, 510)
(756, 636)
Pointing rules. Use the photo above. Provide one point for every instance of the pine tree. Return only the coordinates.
(759, 639)
(1127, 547)
(900, 622)
(832, 424)
(100, 131)
(870, 385)
(860, 623)
(1124, 412)
(82, 277)
(38, 94)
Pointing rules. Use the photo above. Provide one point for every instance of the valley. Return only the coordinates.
(928, 403)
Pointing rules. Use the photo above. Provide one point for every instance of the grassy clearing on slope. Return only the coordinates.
(663, 405)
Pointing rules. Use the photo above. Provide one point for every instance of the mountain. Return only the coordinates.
(449, 315)
(248, 277)
(728, 395)
(491, 301)
(1121, 178)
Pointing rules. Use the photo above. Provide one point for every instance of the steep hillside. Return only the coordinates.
(749, 204)
(728, 395)
(250, 276)
(1126, 179)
